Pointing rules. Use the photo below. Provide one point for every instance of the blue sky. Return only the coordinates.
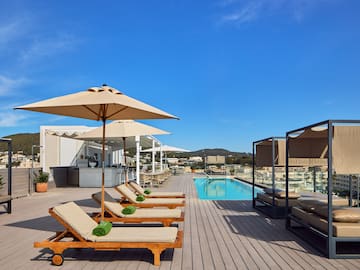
(234, 71)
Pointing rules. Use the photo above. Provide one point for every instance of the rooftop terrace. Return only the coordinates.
(217, 235)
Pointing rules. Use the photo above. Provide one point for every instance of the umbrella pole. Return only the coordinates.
(126, 174)
(103, 173)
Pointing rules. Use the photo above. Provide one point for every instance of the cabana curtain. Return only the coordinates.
(311, 149)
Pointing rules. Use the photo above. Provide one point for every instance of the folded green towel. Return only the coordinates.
(147, 191)
(128, 210)
(103, 228)
(140, 198)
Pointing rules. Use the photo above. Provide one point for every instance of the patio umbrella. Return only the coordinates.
(120, 130)
(100, 104)
(166, 148)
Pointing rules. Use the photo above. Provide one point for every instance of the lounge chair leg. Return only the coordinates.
(156, 252)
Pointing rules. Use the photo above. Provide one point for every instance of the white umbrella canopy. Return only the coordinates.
(119, 131)
(166, 148)
(99, 103)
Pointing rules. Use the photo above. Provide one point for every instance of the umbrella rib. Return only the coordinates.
(94, 112)
(118, 111)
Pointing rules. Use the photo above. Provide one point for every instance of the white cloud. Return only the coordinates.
(11, 31)
(8, 85)
(11, 119)
(46, 47)
(246, 11)
(245, 14)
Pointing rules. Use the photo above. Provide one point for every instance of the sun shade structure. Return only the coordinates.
(269, 152)
(118, 131)
(338, 143)
(100, 104)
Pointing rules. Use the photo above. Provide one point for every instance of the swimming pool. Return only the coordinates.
(223, 189)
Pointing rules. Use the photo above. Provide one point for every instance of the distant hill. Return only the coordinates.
(22, 142)
(209, 152)
(231, 157)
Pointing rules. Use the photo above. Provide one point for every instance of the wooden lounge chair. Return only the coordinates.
(113, 211)
(130, 196)
(78, 226)
(155, 194)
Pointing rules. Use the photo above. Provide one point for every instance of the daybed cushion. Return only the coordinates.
(278, 201)
(340, 229)
(346, 215)
(291, 195)
(281, 193)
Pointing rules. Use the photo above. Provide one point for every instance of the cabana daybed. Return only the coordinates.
(330, 225)
(270, 152)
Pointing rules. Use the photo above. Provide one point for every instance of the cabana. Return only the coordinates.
(328, 222)
(6, 198)
(270, 152)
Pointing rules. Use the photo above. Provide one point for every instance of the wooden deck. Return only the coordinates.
(217, 235)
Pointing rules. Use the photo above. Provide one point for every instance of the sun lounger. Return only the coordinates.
(130, 196)
(155, 194)
(79, 226)
(114, 213)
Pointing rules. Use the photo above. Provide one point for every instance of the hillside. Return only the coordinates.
(22, 142)
(231, 157)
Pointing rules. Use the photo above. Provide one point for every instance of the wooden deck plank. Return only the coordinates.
(217, 235)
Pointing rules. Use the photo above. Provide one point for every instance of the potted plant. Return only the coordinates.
(41, 181)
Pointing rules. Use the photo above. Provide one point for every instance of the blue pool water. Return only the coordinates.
(223, 189)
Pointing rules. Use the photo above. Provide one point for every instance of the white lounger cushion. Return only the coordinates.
(139, 189)
(132, 197)
(139, 234)
(115, 207)
(73, 215)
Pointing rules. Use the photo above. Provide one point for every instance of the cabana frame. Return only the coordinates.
(7, 199)
(269, 209)
(330, 246)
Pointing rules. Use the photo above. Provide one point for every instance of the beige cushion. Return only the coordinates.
(110, 203)
(310, 205)
(164, 194)
(163, 201)
(73, 215)
(340, 229)
(277, 202)
(156, 213)
(137, 187)
(125, 191)
(346, 215)
(291, 195)
(138, 234)
(140, 190)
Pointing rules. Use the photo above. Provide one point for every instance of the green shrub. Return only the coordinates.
(42, 177)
